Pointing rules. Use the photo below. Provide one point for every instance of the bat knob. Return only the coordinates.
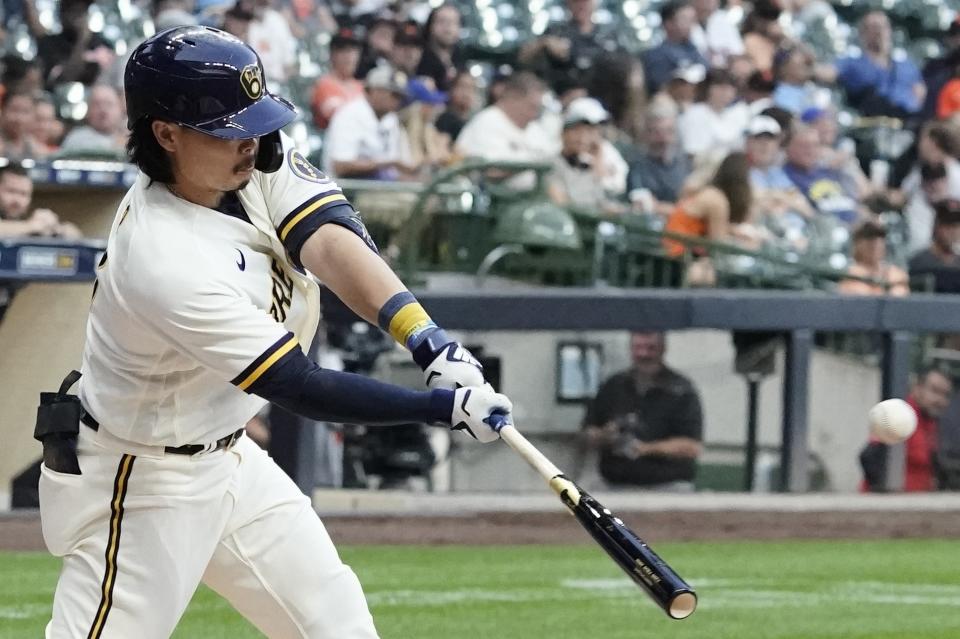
(497, 421)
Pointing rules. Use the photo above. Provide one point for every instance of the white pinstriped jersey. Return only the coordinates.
(192, 305)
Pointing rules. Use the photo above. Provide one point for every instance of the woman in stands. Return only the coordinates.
(719, 210)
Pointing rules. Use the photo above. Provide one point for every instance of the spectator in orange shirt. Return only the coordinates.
(869, 261)
(948, 102)
(340, 85)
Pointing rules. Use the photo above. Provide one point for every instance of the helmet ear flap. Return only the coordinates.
(270, 153)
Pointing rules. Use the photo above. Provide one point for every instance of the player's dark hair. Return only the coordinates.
(146, 153)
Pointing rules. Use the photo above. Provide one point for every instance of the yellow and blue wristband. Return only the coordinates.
(408, 323)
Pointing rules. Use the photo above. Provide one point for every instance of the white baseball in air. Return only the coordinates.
(892, 421)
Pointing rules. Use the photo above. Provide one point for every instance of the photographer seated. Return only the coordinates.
(646, 422)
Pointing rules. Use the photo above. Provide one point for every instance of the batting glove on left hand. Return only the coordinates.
(480, 412)
(447, 364)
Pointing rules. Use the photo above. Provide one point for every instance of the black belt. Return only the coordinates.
(186, 449)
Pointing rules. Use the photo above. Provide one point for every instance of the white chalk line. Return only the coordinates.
(24, 611)
(748, 593)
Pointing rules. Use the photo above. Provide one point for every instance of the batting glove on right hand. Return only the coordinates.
(480, 412)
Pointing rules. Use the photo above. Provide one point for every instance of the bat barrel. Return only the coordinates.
(638, 560)
(667, 589)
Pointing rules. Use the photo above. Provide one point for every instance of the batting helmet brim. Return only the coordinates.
(268, 114)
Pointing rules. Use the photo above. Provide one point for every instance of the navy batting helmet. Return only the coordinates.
(205, 79)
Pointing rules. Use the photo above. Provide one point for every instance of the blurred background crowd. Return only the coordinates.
(795, 126)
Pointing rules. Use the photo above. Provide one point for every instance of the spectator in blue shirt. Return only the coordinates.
(661, 167)
(677, 50)
(823, 186)
(781, 207)
(879, 81)
(793, 69)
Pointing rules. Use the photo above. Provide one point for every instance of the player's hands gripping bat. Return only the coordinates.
(480, 412)
(635, 557)
(446, 363)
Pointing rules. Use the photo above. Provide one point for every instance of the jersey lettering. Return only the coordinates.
(103, 258)
(282, 291)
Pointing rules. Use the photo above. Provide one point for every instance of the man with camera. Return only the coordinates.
(646, 422)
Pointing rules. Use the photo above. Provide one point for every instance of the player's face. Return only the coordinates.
(205, 167)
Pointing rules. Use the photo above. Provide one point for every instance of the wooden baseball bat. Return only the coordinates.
(624, 546)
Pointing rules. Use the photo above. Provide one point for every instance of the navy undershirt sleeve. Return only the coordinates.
(297, 384)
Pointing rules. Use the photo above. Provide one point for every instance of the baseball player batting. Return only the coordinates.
(203, 309)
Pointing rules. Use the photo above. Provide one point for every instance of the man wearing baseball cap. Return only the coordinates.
(580, 173)
(681, 90)
(763, 140)
(340, 85)
(365, 139)
(775, 195)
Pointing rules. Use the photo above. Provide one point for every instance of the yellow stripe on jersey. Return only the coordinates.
(113, 546)
(307, 211)
(407, 321)
(285, 348)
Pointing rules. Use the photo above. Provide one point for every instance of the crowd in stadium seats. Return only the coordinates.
(838, 117)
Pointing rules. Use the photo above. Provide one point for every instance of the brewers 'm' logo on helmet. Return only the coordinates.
(251, 79)
(302, 168)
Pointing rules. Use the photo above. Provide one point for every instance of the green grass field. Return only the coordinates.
(748, 590)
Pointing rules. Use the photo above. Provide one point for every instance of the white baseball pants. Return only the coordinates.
(140, 529)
